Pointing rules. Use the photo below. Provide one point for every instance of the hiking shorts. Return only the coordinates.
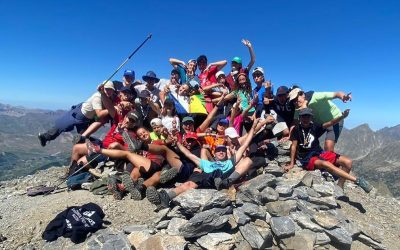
(325, 156)
(206, 180)
(333, 132)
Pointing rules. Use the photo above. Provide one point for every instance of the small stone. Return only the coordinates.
(269, 194)
(252, 236)
(136, 238)
(135, 228)
(248, 195)
(193, 200)
(340, 236)
(176, 212)
(162, 224)
(322, 239)
(161, 215)
(370, 242)
(284, 191)
(108, 239)
(326, 189)
(282, 226)
(259, 182)
(174, 225)
(302, 240)
(240, 217)
(307, 179)
(253, 211)
(325, 220)
(218, 200)
(305, 222)
(163, 241)
(281, 208)
(329, 201)
(216, 241)
(274, 170)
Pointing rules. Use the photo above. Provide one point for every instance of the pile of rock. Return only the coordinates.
(296, 210)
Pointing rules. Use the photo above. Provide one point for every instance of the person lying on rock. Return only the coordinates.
(206, 172)
(306, 147)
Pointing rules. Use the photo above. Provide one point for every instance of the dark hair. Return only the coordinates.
(247, 85)
(201, 58)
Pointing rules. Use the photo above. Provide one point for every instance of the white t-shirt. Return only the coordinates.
(167, 122)
(154, 94)
(91, 104)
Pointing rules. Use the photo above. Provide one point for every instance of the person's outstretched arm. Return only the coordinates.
(336, 120)
(293, 151)
(245, 145)
(251, 52)
(175, 62)
(188, 154)
(108, 104)
(210, 117)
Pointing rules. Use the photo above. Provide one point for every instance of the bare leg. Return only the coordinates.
(346, 164)
(95, 126)
(172, 158)
(329, 145)
(184, 187)
(135, 159)
(243, 166)
(334, 170)
(116, 145)
(153, 180)
(78, 151)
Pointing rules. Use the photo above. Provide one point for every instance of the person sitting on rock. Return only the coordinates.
(203, 176)
(324, 110)
(305, 146)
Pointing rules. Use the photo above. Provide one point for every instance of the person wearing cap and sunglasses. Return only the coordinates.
(324, 110)
(204, 176)
(306, 148)
(263, 88)
(236, 65)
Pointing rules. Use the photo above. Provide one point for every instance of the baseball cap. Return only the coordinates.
(220, 147)
(132, 115)
(192, 60)
(191, 135)
(125, 89)
(109, 85)
(294, 93)
(156, 122)
(237, 59)
(223, 121)
(130, 73)
(305, 111)
(144, 94)
(258, 69)
(231, 133)
(201, 58)
(282, 90)
(219, 73)
(187, 119)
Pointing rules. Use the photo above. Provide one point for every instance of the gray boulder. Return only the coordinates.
(253, 211)
(108, 239)
(162, 242)
(340, 236)
(240, 217)
(283, 226)
(216, 241)
(325, 219)
(269, 194)
(174, 225)
(252, 236)
(218, 200)
(205, 222)
(193, 200)
(281, 208)
(259, 182)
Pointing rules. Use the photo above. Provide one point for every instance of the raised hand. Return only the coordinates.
(347, 97)
(346, 113)
(246, 43)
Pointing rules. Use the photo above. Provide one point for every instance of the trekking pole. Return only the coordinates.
(59, 184)
(129, 57)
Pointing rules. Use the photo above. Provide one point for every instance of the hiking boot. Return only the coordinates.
(133, 144)
(362, 183)
(92, 148)
(78, 139)
(42, 139)
(160, 199)
(221, 183)
(167, 174)
(113, 188)
(134, 188)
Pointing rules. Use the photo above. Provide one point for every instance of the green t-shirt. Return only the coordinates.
(323, 108)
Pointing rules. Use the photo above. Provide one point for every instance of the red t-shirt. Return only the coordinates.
(231, 79)
(207, 78)
(113, 135)
(156, 158)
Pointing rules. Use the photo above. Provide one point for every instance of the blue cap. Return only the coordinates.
(187, 119)
(223, 121)
(130, 73)
(221, 146)
(125, 89)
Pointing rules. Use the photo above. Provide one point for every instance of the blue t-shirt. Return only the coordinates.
(211, 166)
(184, 77)
(260, 92)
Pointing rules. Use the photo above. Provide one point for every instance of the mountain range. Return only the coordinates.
(376, 154)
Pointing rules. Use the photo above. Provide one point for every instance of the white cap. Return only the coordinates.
(109, 85)
(219, 73)
(294, 93)
(156, 122)
(231, 132)
(258, 69)
(278, 128)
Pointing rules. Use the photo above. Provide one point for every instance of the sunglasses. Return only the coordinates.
(257, 75)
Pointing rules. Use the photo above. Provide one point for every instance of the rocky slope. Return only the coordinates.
(295, 210)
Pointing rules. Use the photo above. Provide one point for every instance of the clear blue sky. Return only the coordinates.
(54, 53)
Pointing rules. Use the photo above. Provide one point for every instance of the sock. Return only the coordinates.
(234, 177)
(172, 194)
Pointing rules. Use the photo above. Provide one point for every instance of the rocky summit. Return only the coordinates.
(273, 210)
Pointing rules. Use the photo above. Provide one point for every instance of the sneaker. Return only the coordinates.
(92, 148)
(167, 174)
(160, 199)
(362, 183)
(134, 188)
(133, 144)
(113, 188)
(78, 139)
(42, 139)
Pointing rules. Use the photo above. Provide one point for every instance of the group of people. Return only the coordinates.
(202, 127)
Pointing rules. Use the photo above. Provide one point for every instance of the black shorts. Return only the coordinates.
(206, 180)
(154, 167)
